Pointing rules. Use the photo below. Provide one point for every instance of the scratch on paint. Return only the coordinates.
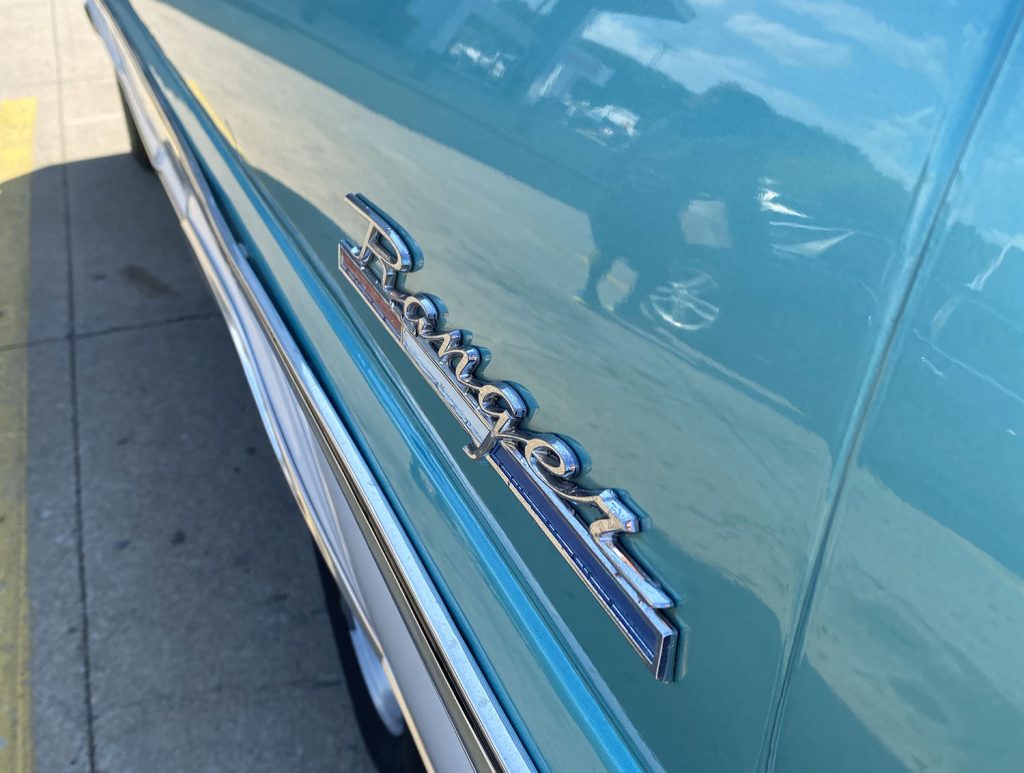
(220, 123)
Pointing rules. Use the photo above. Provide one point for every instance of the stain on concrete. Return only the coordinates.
(146, 282)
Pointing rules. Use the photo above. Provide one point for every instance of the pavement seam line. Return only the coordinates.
(17, 131)
(198, 316)
(73, 379)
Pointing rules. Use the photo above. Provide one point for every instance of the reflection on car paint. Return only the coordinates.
(555, 148)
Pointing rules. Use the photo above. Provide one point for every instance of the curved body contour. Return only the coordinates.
(760, 262)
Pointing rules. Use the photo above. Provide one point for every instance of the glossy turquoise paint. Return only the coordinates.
(913, 655)
(689, 229)
(572, 728)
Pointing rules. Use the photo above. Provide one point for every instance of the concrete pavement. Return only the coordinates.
(152, 550)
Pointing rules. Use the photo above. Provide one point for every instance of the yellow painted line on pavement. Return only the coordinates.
(17, 121)
(17, 125)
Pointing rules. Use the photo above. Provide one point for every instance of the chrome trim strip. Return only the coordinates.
(486, 733)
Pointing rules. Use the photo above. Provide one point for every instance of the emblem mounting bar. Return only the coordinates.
(540, 468)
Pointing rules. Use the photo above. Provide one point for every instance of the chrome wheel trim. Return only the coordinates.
(372, 668)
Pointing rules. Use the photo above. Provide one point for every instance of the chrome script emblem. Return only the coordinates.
(541, 468)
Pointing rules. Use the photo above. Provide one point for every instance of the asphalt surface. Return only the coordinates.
(159, 605)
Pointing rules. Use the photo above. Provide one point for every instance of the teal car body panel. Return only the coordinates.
(752, 258)
(912, 657)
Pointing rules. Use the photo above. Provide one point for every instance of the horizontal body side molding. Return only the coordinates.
(485, 733)
(540, 468)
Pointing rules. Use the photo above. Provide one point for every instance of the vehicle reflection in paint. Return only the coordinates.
(915, 637)
(725, 185)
